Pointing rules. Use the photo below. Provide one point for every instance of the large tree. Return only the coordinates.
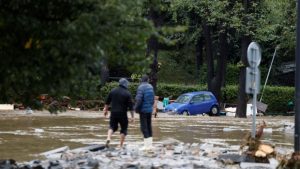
(210, 26)
(50, 46)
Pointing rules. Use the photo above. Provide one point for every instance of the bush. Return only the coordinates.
(275, 97)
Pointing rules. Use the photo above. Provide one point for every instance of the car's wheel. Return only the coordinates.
(214, 111)
(186, 113)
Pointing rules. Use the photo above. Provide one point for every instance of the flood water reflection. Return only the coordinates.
(22, 138)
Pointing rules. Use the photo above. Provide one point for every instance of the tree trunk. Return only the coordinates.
(199, 56)
(209, 56)
(219, 80)
(153, 46)
(242, 96)
(154, 66)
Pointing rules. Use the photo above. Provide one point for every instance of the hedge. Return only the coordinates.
(275, 97)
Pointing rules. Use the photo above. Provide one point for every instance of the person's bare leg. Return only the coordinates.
(109, 133)
(122, 139)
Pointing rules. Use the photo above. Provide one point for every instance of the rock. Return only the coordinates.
(163, 156)
(230, 158)
(198, 164)
(169, 147)
(55, 165)
(195, 145)
(104, 160)
(178, 149)
(170, 141)
(273, 162)
(245, 165)
(9, 164)
(169, 153)
(283, 151)
(93, 163)
(206, 146)
(55, 156)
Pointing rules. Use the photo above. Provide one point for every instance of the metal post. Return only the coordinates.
(254, 112)
(253, 133)
(297, 84)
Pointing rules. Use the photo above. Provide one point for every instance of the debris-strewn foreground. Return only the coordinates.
(167, 154)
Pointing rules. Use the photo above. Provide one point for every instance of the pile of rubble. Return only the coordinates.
(166, 154)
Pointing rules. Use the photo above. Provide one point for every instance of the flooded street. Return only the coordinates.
(24, 136)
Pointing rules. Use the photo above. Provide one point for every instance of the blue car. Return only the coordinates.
(194, 103)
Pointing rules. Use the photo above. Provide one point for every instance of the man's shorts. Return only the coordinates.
(123, 121)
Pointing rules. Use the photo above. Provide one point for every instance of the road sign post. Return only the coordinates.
(253, 79)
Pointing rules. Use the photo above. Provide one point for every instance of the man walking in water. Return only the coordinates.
(120, 100)
(144, 106)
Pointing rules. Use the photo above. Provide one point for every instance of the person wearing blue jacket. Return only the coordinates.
(144, 106)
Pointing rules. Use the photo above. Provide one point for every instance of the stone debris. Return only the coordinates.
(167, 154)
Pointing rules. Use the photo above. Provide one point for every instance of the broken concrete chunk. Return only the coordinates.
(178, 149)
(245, 165)
(170, 141)
(58, 150)
(233, 158)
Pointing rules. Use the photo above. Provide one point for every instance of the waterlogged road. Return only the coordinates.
(24, 136)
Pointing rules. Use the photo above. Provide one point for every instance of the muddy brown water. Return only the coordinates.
(23, 137)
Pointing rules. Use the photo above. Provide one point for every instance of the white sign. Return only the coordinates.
(254, 54)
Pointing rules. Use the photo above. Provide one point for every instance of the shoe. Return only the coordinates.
(107, 143)
(144, 146)
(149, 146)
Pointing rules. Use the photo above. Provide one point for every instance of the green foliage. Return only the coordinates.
(232, 74)
(175, 68)
(279, 28)
(277, 98)
(56, 47)
(50, 46)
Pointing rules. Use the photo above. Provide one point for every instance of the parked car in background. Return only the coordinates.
(193, 103)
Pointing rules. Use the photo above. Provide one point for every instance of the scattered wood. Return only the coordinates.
(256, 149)
(260, 153)
(266, 148)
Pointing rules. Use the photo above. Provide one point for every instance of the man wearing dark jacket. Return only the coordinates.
(120, 100)
(144, 106)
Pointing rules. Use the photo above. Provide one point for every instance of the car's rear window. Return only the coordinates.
(183, 99)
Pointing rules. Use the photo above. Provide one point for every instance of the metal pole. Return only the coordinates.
(262, 93)
(253, 133)
(297, 84)
(254, 111)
